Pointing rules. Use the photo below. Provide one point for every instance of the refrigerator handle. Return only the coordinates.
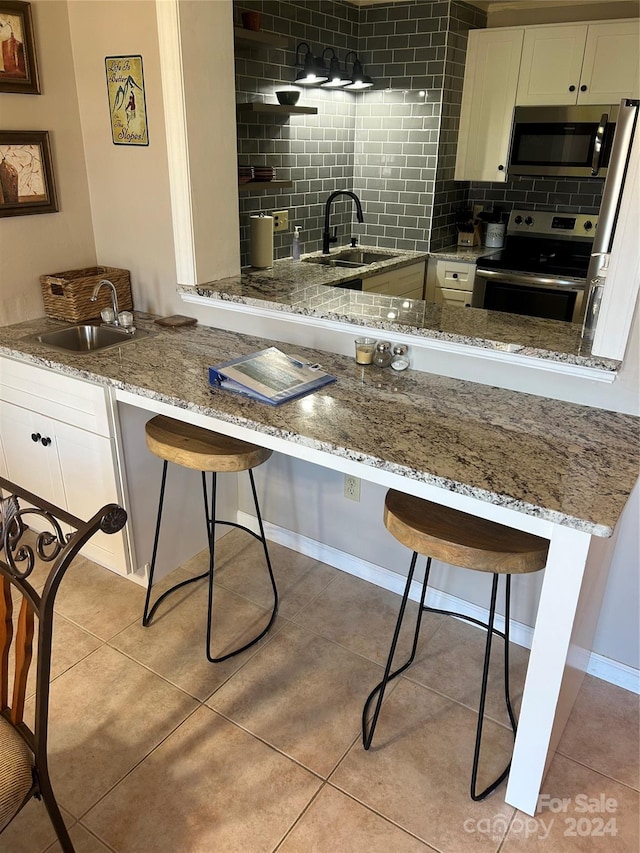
(597, 147)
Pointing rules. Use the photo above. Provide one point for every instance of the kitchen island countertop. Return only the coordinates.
(566, 463)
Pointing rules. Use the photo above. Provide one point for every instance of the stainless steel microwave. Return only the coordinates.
(572, 142)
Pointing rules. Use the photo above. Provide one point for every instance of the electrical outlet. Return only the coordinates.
(280, 220)
(352, 487)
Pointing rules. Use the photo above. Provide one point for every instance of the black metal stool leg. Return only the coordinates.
(211, 526)
(148, 614)
(379, 689)
(483, 692)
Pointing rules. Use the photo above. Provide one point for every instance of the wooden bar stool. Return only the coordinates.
(459, 539)
(205, 451)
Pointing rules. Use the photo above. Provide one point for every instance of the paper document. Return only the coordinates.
(269, 375)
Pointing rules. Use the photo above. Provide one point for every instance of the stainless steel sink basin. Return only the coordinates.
(352, 258)
(87, 338)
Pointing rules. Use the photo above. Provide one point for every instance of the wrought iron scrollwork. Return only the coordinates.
(49, 543)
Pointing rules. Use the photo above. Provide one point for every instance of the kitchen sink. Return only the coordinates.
(351, 258)
(87, 338)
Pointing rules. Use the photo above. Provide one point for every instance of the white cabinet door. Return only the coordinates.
(610, 69)
(551, 65)
(405, 281)
(31, 454)
(87, 469)
(488, 99)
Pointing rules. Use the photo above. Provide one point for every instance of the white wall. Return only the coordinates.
(31, 246)
(129, 184)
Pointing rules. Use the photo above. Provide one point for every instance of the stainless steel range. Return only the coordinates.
(542, 269)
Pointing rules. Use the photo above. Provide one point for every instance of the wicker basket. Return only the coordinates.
(67, 295)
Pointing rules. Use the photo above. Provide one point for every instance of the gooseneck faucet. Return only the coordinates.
(114, 297)
(327, 238)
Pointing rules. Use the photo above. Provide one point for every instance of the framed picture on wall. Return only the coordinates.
(127, 103)
(18, 67)
(26, 173)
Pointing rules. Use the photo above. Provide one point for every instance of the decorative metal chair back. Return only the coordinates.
(23, 750)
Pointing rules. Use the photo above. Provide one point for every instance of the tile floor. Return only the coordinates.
(153, 749)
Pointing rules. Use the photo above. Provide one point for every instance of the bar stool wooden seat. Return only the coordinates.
(208, 452)
(459, 539)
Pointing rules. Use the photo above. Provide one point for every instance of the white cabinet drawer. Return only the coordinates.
(455, 275)
(447, 296)
(65, 398)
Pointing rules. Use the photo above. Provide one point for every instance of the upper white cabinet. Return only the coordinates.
(579, 64)
(610, 70)
(489, 94)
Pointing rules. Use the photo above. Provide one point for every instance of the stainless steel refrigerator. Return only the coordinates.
(611, 196)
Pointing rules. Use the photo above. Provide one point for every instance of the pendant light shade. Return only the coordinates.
(359, 80)
(314, 71)
(337, 77)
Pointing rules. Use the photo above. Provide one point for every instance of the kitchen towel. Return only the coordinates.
(262, 242)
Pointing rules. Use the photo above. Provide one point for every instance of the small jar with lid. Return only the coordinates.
(382, 354)
(400, 357)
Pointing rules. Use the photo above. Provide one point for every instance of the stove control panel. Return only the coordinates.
(563, 226)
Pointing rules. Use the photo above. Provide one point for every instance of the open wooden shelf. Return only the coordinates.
(275, 109)
(264, 185)
(257, 38)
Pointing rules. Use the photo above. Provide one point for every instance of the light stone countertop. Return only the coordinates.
(306, 289)
(562, 462)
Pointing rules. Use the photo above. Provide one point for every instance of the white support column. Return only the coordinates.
(565, 622)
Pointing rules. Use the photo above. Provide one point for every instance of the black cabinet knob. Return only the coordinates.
(35, 436)
(501, 168)
(572, 88)
(583, 88)
(45, 442)
(454, 275)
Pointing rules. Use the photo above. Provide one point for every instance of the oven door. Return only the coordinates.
(530, 295)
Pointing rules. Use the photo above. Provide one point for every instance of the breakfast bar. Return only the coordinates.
(559, 470)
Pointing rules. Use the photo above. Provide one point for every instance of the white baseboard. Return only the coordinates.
(600, 667)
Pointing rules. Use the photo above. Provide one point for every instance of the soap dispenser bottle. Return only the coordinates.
(295, 251)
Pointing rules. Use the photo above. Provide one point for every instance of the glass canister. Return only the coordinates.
(382, 354)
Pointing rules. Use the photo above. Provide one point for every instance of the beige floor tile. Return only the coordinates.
(603, 731)
(302, 694)
(564, 823)
(451, 663)
(240, 567)
(70, 644)
(208, 787)
(98, 600)
(31, 830)
(82, 840)
(106, 714)
(335, 822)
(418, 770)
(174, 644)
(362, 617)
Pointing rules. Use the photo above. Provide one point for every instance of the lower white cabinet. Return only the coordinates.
(407, 282)
(450, 282)
(57, 442)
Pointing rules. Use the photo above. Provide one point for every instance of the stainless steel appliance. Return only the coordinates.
(626, 127)
(573, 142)
(542, 269)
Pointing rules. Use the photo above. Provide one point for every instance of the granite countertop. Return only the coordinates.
(559, 461)
(305, 289)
